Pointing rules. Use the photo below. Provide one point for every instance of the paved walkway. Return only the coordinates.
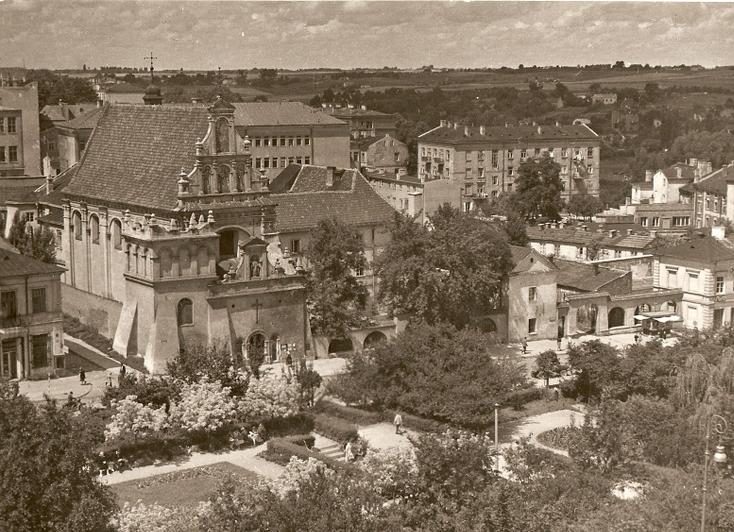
(244, 458)
(382, 436)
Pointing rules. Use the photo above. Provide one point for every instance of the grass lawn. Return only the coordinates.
(181, 489)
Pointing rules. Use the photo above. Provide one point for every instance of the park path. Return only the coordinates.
(533, 425)
(244, 458)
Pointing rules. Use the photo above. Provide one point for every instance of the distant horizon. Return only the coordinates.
(202, 35)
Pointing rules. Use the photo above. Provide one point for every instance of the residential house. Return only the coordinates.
(711, 199)
(20, 146)
(703, 268)
(364, 122)
(379, 153)
(31, 322)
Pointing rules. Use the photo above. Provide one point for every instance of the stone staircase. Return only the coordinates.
(329, 447)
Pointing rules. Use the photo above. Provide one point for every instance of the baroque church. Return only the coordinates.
(172, 238)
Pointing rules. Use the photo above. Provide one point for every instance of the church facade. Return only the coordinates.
(173, 238)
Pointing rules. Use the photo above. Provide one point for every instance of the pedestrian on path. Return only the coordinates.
(558, 343)
(82, 376)
(398, 422)
(637, 338)
(123, 370)
(525, 346)
(348, 453)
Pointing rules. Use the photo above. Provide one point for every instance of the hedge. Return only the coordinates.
(280, 451)
(518, 398)
(355, 415)
(175, 442)
(415, 422)
(335, 428)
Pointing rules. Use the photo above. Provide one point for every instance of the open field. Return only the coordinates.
(183, 489)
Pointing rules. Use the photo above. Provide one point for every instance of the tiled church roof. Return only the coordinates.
(136, 153)
(305, 199)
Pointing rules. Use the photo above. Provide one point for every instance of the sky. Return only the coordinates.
(237, 34)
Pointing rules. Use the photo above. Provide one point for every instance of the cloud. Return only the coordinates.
(202, 34)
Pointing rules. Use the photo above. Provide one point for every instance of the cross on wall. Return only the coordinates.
(257, 306)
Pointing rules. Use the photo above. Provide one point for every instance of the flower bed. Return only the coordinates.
(559, 438)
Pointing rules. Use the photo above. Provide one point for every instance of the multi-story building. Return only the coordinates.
(711, 198)
(664, 186)
(703, 268)
(364, 122)
(20, 146)
(664, 217)
(64, 142)
(485, 160)
(386, 154)
(31, 322)
(411, 197)
(121, 92)
(285, 133)
(63, 112)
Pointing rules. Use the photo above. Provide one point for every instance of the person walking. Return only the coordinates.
(558, 342)
(398, 422)
(348, 452)
(123, 370)
(82, 376)
(525, 346)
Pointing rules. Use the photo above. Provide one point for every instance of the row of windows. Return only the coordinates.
(9, 302)
(494, 154)
(691, 279)
(94, 233)
(281, 141)
(8, 154)
(8, 125)
(272, 162)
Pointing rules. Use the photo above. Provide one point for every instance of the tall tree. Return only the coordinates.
(336, 298)
(48, 484)
(538, 188)
(452, 272)
(37, 243)
(584, 205)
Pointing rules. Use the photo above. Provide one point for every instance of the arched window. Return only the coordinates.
(116, 233)
(76, 224)
(94, 228)
(185, 312)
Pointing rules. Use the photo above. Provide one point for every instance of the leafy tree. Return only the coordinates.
(516, 230)
(214, 363)
(452, 272)
(538, 188)
(434, 371)
(717, 147)
(336, 298)
(597, 366)
(547, 365)
(48, 485)
(584, 205)
(39, 244)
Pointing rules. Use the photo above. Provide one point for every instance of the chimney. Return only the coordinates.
(49, 180)
(612, 233)
(363, 107)
(648, 176)
(330, 176)
(466, 131)
(679, 171)
(402, 172)
(456, 125)
(558, 124)
(540, 130)
(718, 232)
(560, 225)
(585, 228)
(627, 201)
(444, 123)
(482, 130)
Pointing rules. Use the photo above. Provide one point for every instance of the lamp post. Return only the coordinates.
(496, 427)
(719, 425)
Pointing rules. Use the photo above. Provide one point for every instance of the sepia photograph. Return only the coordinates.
(366, 266)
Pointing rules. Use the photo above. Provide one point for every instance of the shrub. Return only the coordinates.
(204, 406)
(335, 428)
(298, 472)
(133, 418)
(280, 451)
(148, 391)
(355, 415)
(270, 396)
(302, 423)
(156, 446)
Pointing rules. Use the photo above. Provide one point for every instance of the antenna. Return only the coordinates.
(151, 57)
